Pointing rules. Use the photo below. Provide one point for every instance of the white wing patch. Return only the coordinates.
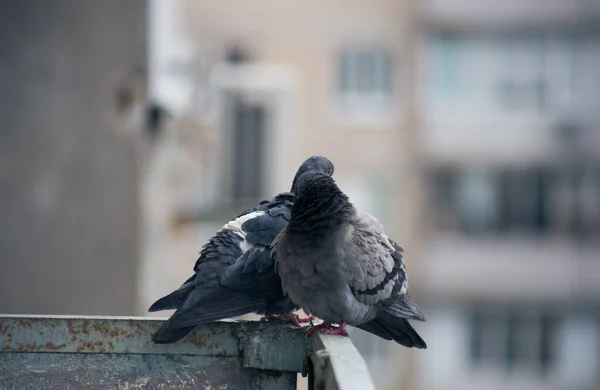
(236, 227)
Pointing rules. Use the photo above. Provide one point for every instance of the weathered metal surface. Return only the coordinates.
(276, 380)
(281, 348)
(21, 371)
(116, 352)
(113, 335)
(337, 364)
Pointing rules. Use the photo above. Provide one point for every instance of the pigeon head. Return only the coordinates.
(315, 164)
(315, 181)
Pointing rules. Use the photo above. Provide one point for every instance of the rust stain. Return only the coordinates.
(54, 347)
(27, 324)
(86, 346)
(21, 347)
(86, 330)
(198, 341)
(71, 329)
(6, 329)
(100, 329)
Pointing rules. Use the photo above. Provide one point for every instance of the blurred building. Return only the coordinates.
(69, 206)
(510, 143)
(256, 88)
(471, 129)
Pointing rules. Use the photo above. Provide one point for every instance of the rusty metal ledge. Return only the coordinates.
(263, 355)
(131, 335)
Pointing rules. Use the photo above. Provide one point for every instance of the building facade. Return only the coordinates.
(510, 144)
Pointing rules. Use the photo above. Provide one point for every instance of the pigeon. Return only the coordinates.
(252, 285)
(338, 265)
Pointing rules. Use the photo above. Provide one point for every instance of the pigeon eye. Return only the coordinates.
(329, 171)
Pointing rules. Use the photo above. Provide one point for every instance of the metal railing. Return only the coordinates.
(65, 352)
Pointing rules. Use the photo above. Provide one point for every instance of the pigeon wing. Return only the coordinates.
(375, 271)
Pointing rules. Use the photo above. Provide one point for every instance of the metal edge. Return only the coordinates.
(337, 364)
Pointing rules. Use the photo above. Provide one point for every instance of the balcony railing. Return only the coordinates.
(66, 352)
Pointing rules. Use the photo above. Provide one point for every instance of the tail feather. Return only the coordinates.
(404, 307)
(169, 302)
(174, 299)
(167, 335)
(224, 303)
(398, 329)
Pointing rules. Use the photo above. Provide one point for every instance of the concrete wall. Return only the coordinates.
(68, 180)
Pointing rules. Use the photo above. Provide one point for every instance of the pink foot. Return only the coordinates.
(291, 317)
(328, 328)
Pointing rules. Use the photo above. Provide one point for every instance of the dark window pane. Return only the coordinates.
(365, 74)
(443, 199)
(477, 201)
(541, 182)
(511, 348)
(386, 80)
(345, 72)
(248, 132)
(548, 330)
(476, 335)
(519, 198)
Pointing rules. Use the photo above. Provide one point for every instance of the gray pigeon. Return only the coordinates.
(252, 284)
(339, 265)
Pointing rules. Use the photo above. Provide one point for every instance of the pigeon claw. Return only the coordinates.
(328, 328)
(291, 317)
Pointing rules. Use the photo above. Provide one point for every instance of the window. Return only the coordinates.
(365, 80)
(508, 201)
(248, 137)
(575, 202)
(513, 338)
(523, 196)
(477, 200)
(522, 72)
(447, 63)
(522, 84)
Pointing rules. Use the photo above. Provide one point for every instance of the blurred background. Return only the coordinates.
(134, 129)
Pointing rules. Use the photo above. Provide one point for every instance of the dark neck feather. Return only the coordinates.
(320, 207)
